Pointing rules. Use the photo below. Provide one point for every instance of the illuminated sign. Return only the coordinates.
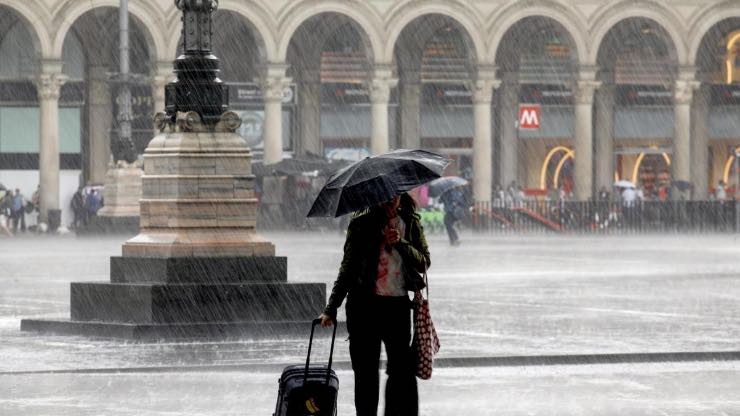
(530, 116)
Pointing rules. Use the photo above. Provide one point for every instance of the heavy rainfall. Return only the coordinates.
(188, 187)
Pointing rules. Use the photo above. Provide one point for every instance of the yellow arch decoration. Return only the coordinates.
(543, 170)
(636, 169)
(730, 59)
(560, 167)
(728, 166)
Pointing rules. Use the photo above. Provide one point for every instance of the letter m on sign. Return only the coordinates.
(529, 116)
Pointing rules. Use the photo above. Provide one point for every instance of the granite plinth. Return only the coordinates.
(198, 269)
(178, 331)
(195, 303)
(110, 225)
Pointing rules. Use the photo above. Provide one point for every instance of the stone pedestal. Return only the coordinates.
(121, 196)
(197, 267)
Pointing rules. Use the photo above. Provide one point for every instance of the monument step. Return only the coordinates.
(102, 224)
(198, 269)
(195, 303)
(179, 331)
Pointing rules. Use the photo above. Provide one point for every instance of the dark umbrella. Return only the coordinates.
(376, 179)
(683, 185)
(3, 188)
(439, 186)
(298, 166)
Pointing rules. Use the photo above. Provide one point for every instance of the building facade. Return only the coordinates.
(647, 91)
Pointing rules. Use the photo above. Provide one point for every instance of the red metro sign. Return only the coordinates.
(530, 116)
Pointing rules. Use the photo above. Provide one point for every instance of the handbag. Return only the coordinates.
(426, 341)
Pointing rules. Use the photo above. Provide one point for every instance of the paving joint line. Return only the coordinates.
(445, 362)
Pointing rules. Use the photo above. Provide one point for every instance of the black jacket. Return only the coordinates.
(359, 269)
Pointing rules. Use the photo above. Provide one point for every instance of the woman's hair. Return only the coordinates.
(408, 205)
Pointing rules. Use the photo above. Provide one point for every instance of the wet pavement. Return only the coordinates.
(491, 296)
(647, 389)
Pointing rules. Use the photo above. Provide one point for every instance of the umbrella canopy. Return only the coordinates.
(298, 167)
(376, 179)
(624, 184)
(439, 186)
(683, 185)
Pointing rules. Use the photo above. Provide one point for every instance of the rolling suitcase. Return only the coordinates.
(309, 390)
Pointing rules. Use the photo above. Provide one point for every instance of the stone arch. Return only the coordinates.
(705, 21)
(612, 14)
(253, 14)
(358, 12)
(458, 12)
(36, 24)
(499, 25)
(148, 16)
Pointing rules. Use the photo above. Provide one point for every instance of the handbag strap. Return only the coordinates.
(426, 283)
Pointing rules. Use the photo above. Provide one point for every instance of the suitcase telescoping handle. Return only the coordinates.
(315, 322)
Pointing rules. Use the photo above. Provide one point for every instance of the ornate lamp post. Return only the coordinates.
(197, 86)
(197, 267)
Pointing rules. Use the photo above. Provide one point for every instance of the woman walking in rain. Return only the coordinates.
(385, 256)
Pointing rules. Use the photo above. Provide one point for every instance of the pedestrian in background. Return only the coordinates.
(78, 208)
(455, 207)
(18, 212)
(720, 194)
(385, 255)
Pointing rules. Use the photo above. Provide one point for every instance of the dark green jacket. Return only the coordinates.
(359, 269)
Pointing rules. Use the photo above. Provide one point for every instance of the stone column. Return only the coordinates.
(100, 115)
(604, 136)
(700, 143)
(410, 111)
(380, 94)
(49, 85)
(309, 110)
(161, 77)
(583, 132)
(482, 90)
(682, 95)
(273, 83)
(509, 141)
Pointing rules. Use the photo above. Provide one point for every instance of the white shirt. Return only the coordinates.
(390, 268)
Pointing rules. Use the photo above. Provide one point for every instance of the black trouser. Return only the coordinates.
(19, 217)
(450, 224)
(371, 321)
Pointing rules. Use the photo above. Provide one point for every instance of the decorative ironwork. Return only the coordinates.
(197, 86)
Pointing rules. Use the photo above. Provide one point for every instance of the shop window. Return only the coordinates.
(69, 130)
(19, 130)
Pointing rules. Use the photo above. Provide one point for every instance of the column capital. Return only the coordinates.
(683, 90)
(486, 71)
(379, 89)
(482, 90)
(49, 85)
(162, 69)
(687, 72)
(273, 87)
(272, 81)
(588, 72)
(584, 90)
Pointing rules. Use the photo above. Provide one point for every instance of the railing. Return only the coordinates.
(605, 217)
(545, 217)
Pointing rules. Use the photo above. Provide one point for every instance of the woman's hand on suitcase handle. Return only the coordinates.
(326, 320)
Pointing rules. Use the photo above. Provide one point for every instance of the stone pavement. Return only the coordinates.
(494, 296)
(646, 389)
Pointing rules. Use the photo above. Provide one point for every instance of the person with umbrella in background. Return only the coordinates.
(385, 257)
(451, 192)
